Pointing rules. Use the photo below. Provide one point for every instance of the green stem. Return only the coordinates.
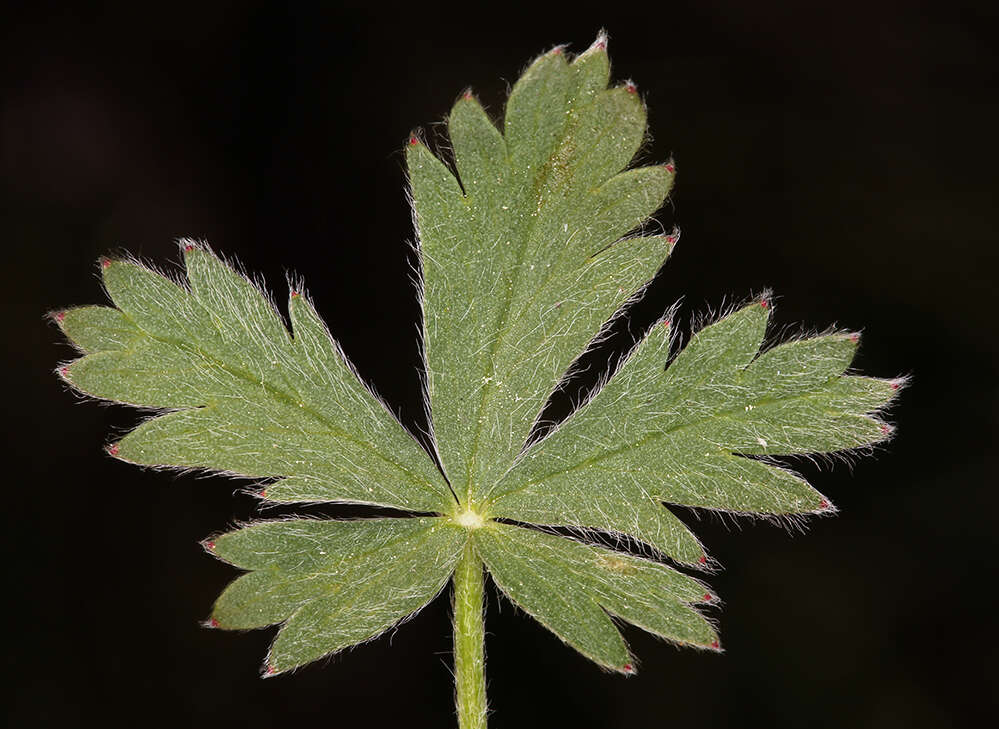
(469, 641)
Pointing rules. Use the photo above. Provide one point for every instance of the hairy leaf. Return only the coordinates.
(521, 263)
(532, 237)
(680, 436)
(568, 586)
(250, 399)
(332, 583)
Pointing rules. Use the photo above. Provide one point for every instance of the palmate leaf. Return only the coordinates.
(530, 243)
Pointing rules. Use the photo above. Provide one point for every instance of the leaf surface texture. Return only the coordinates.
(532, 235)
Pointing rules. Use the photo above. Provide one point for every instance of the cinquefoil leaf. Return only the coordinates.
(571, 587)
(522, 262)
(682, 435)
(249, 397)
(332, 584)
(530, 241)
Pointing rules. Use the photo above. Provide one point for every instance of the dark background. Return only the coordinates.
(844, 157)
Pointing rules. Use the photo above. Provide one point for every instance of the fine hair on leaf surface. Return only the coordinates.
(534, 238)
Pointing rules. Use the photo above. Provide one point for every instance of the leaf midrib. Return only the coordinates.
(595, 584)
(650, 437)
(277, 394)
(420, 537)
(366, 587)
(490, 388)
(522, 562)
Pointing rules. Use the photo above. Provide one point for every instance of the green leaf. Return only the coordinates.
(97, 328)
(250, 399)
(567, 586)
(532, 238)
(332, 584)
(680, 435)
(521, 262)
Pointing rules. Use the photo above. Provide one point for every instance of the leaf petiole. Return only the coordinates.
(469, 640)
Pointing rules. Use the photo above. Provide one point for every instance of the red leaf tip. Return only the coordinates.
(295, 294)
(64, 371)
(714, 644)
(703, 559)
(271, 670)
(413, 141)
(628, 668)
(670, 167)
(557, 51)
(214, 623)
(60, 316)
(823, 504)
(631, 88)
(467, 96)
(885, 428)
(210, 545)
(854, 338)
(765, 303)
(708, 597)
(188, 248)
(105, 262)
(113, 449)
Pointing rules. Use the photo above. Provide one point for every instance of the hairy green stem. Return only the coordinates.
(469, 641)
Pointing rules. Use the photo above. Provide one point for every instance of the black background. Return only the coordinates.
(844, 157)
